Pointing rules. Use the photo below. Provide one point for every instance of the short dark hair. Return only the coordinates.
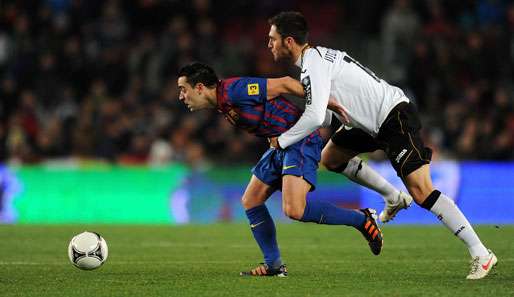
(291, 23)
(199, 73)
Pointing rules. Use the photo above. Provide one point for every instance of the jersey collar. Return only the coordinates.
(299, 62)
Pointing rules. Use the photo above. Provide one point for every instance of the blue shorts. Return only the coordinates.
(299, 159)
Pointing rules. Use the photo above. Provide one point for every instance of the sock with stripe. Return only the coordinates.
(263, 229)
(451, 216)
(321, 212)
(358, 171)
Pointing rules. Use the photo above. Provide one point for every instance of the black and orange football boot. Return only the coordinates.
(371, 231)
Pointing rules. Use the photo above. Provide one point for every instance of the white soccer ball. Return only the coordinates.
(87, 250)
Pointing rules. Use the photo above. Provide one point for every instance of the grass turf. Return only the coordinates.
(205, 261)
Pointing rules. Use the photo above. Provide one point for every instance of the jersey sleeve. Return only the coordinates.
(249, 90)
(316, 84)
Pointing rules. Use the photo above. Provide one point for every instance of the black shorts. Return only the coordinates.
(398, 136)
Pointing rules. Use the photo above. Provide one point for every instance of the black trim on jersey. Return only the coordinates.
(349, 59)
(316, 48)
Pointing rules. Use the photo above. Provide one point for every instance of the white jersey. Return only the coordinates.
(332, 73)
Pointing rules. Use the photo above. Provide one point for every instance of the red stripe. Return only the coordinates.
(284, 109)
(280, 129)
(250, 116)
(222, 91)
(289, 105)
(274, 117)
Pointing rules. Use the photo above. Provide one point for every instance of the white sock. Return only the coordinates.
(451, 216)
(359, 172)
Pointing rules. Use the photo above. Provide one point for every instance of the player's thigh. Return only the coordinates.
(256, 193)
(294, 195)
(400, 135)
(334, 155)
(346, 144)
(419, 183)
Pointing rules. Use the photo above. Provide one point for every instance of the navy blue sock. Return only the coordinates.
(263, 229)
(325, 213)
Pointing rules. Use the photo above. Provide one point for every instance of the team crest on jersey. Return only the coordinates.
(306, 82)
(253, 89)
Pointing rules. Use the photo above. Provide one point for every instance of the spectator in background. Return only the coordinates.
(400, 27)
(95, 79)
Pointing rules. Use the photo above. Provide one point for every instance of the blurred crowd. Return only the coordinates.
(96, 79)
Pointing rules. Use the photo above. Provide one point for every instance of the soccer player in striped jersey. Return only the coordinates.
(255, 105)
(381, 117)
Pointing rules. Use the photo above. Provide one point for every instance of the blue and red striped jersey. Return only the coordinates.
(243, 101)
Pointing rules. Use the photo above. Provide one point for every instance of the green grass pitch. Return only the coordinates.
(205, 261)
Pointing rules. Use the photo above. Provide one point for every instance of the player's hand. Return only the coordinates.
(273, 142)
(338, 108)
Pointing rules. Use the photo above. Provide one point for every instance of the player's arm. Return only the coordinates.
(289, 85)
(317, 88)
(284, 85)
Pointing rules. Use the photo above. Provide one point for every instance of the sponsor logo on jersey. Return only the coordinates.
(400, 155)
(253, 89)
(306, 82)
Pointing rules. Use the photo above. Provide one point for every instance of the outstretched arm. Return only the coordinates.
(284, 85)
(289, 85)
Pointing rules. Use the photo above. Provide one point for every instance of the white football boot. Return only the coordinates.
(480, 266)
(403, 201)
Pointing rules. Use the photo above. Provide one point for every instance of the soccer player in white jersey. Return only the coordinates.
(380, 117)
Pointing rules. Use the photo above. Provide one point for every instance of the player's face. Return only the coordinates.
(193, 97)
(276, 44)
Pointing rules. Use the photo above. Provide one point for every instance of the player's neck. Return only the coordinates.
(211, 95)
(298, 51)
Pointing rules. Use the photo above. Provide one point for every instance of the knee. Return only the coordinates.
(294, 212)
(420, 193)
(248, 203)
(332, 164)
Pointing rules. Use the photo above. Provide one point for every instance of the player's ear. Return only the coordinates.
(289, 41)
(199, 87)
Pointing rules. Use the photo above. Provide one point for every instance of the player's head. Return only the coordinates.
(288, 30)
(197, 84)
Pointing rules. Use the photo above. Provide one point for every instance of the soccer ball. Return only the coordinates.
(87, 250)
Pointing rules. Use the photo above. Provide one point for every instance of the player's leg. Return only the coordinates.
(297, 207)
(420, 186)
(261, 222)
(299, 175)
(340, 155)
(264, 181)
(411, 159)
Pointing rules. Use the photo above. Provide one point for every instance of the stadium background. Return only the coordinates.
(92, 132)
